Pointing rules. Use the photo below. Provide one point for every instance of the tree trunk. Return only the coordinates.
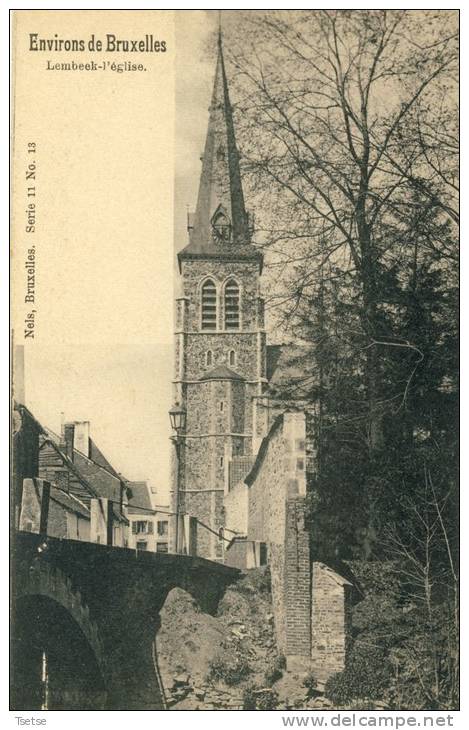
(369, 322)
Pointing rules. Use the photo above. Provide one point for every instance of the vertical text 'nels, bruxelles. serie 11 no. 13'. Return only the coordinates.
(30, 229)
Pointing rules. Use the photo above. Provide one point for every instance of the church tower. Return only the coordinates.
(220, 360)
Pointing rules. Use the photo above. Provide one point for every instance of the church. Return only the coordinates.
(243, 464)
(220, 341)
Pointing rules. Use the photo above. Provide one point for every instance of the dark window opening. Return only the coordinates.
(163, 528)
(209, 305)
(142, 527)
(231, 305)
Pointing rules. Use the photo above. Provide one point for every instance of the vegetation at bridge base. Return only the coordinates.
(230, 667)
(348, 128)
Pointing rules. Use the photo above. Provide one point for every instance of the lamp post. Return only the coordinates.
(177, 417)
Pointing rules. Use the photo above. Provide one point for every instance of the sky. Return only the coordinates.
(118, 168)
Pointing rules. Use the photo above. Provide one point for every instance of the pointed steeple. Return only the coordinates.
(220, 225)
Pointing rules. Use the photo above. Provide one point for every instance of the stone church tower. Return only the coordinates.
(220, 351)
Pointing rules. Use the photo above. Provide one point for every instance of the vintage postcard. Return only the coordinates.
(234, 342)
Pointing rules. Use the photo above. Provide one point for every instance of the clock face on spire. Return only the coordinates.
(221, 226)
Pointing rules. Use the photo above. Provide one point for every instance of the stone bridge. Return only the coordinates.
(85, 619)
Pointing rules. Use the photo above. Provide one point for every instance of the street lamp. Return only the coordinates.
(177, 417)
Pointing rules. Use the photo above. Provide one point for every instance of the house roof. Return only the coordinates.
(71, 466)
(24, 411)
(220, 189)
(98, 457)
(221, 372)
(95, 481)
(140, 500)
(70, 502)
(94, 478)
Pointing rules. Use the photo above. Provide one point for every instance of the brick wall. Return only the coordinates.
(310, 600)
(297, 586)
(329, 620)
(239, 466)
(277, 487)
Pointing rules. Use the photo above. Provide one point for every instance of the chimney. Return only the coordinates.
(18, 374)
(81, 437)
(68, 439)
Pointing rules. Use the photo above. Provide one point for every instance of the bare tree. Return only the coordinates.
(337, 132)
(423, 549)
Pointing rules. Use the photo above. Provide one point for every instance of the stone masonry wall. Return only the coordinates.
(196, 345)
(310, 600)
(245, 273)
(236, 509)
(277, 487)
(219, 412)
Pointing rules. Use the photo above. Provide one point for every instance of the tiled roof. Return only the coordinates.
(98, 457)
(90, 491)
(71, 503)
(24, 411)
(140, 496)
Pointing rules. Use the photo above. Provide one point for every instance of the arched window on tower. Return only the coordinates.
(208, 358)
(209, 305)
(231, 305)
(232, 358)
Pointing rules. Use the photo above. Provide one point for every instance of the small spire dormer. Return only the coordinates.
(220, 226)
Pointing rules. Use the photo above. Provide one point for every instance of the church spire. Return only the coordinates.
(220, 226)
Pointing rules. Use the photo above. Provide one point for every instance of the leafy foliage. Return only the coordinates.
(348, 129)
(418, 646)
(275, 671)
(255, 698)
(366, 676)
(310, 682)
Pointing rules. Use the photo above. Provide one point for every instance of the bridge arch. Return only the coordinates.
(58, 658)
(110, 599)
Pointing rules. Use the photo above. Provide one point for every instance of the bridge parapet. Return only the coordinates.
(114, 596)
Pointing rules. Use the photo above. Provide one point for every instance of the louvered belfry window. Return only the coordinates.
(209, 306)
(231, 305)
